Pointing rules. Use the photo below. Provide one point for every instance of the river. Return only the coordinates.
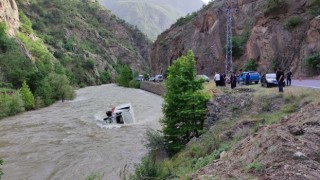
(70, 141)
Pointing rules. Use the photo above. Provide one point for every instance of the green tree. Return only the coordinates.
(313, 63)
(61, 87)
(250, 65)
(27, 96)
(184, 104)
(124, 76)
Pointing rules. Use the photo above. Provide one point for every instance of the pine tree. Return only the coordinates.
(27, 96)
(184, 104)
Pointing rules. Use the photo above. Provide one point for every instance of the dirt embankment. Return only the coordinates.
(287, 150)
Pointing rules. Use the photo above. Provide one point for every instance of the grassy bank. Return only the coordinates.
(267, 107)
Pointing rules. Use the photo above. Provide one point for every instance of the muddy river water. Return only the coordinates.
(70, 141)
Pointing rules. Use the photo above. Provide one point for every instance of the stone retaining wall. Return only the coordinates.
(154, 87)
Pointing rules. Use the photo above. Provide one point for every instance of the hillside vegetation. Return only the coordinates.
(152, 16)
(86, 38)
(61, 45)
(252, 133)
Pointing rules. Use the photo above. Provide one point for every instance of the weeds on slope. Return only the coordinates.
(268, 107)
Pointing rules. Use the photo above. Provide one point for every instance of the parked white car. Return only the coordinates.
(202, 76)
(158, 78)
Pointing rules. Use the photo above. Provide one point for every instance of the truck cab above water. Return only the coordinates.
(122, 114)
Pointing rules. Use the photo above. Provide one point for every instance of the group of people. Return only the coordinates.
(221, 79)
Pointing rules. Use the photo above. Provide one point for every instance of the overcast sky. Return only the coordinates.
(206, 1)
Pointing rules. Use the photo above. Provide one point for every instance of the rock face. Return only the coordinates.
(10, 15)
(269, 38)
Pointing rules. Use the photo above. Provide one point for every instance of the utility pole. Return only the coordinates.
(229, 12)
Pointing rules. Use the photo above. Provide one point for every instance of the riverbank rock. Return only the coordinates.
(228, 105)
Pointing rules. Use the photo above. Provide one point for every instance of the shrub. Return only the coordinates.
(275, 64)
(147, 169)
(313, 63)
(315, 7)
(26, 25)
(124, 76)
(88, 64)
(154, 140)
(290, 108)
(1, 172)
(184, 20)
(251, 65)
(105, 77)
(293, 22)
(274, 6)
(27, 96)
(255, 166)
(10, 104)
(237, 46)
(94, 176)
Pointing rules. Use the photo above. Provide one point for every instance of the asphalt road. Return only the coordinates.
(306, 83)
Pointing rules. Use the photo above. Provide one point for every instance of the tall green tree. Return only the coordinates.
(61, 87)
(184, 104)
(124, 76)
(27, 96)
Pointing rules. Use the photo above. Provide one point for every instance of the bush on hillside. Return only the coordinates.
(293, 22)
(273, 6)
(275, 64)
(105, 77)
(185, 20)
(147, 169)
(313, 63)
(10, 104)
(315, 7)
(27, 96)
(250, 65)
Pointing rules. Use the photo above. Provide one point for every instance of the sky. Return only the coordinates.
(206, 1)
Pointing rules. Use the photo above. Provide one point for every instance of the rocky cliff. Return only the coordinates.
(10, 15)
(280, 34)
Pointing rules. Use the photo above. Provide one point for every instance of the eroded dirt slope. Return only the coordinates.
(289, 150)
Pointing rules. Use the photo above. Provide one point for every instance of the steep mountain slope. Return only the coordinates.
(10, 15)
(86, 38)
(271, 33)
(152, 16)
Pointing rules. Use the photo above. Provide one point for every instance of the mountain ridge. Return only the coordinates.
(157, 14)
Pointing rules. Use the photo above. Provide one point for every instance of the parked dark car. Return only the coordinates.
(269, 80)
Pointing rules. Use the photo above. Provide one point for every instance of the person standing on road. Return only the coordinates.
(217, 79)
(233, 80)
(289, 74)
(247, 79)
(280, 79)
